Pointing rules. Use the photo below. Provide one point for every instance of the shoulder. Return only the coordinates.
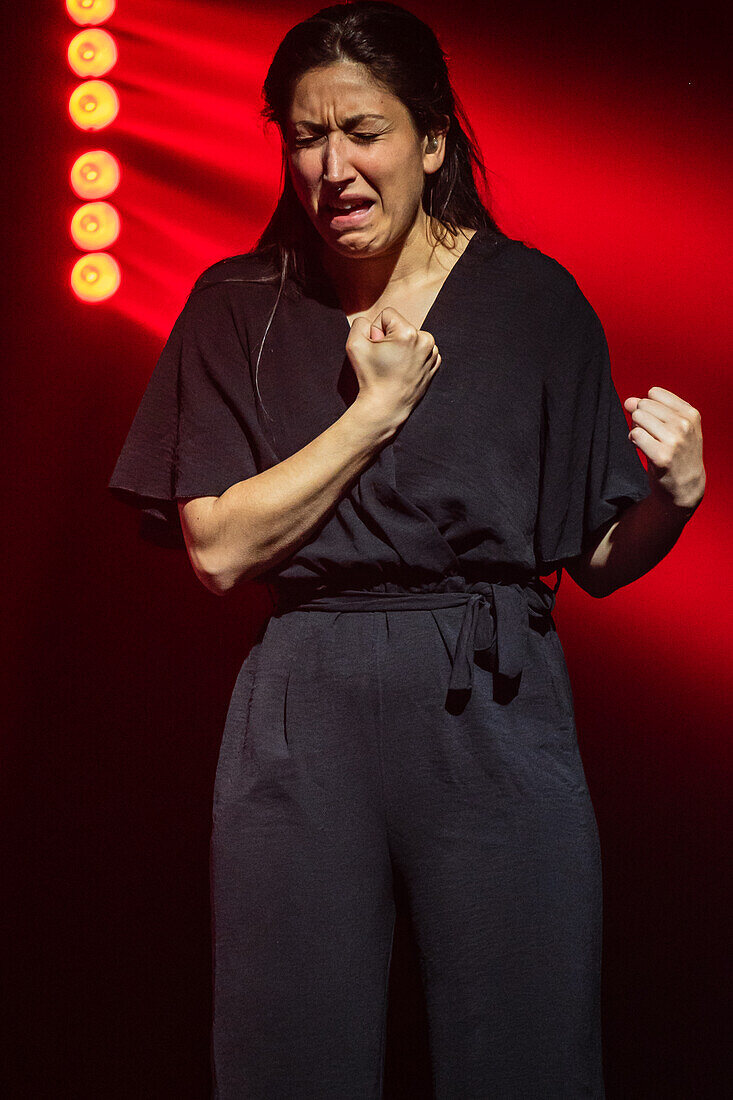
(541, 276)
(240, 286)
(549, 297)
(246, 266)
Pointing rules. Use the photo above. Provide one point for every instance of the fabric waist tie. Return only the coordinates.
(496, 618)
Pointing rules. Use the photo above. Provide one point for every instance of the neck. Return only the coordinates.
(409, 263)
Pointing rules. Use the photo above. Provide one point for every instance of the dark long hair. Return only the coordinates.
(403, 54)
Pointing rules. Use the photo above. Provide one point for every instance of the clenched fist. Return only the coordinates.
(669, 432)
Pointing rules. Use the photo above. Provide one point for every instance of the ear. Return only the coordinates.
(434, 146)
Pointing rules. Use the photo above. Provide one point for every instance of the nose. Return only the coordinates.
(336, 166)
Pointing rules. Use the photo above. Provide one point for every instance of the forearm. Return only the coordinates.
(259, 522)
(645, 533)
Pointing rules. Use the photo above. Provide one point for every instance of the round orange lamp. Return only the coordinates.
(95, 277)
(85, 12)
(93, 105)
(95, 225)
(95, 174)
(92, 52)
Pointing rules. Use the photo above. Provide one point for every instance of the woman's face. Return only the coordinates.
(334, 152)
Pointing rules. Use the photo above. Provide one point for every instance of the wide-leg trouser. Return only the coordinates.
(340, 763)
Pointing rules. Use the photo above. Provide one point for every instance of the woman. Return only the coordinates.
(400, 419)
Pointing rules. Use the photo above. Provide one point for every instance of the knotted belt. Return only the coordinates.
(496, 618)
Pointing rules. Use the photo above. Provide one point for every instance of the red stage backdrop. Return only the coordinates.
(603, 132)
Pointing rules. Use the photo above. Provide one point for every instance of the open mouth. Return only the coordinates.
(341, 218)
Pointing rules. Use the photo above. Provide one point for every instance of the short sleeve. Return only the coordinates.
(590, 471)
(194, 432)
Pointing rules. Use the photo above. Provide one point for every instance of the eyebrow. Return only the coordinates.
(353, 120)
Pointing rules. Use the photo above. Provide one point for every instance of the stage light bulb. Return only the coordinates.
(86, 12)
(95, 277)
(93, 105)
(92, 52)
(95, 175)
(95, 225)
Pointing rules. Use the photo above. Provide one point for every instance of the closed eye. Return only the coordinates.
(299, 142)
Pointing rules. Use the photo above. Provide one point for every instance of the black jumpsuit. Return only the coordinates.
(407, 709)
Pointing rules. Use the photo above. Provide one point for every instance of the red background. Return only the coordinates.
(604, 131)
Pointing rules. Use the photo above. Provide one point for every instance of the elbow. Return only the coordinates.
(592, 580)
(596, 589)
(199, 534)
(209, 572)
(219, 572)
(599, 584)
(221, 577)
(216, 579)
(213, 582)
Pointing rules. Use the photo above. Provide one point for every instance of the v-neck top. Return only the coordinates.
(374, 311)
(514, 458)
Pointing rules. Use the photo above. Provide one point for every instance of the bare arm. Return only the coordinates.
(630, 547)
(258, 522)
(669, 432)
